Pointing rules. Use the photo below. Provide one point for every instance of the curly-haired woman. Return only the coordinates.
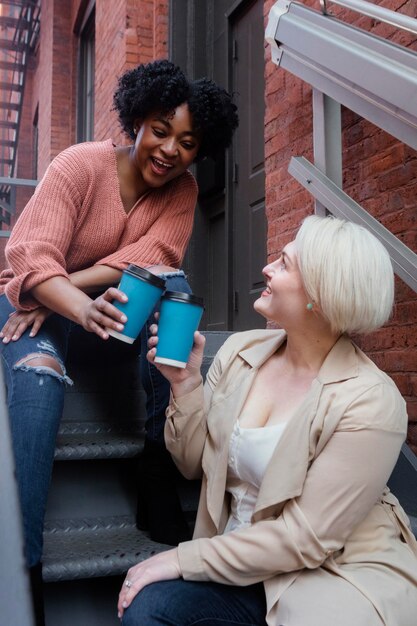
(98, 208)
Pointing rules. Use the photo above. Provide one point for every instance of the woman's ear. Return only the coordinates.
(136, 125)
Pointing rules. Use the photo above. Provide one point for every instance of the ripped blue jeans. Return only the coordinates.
(35, 397)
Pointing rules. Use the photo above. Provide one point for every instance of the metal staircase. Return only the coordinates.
(90, 535)
(19, 32)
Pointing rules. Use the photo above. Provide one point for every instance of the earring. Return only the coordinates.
(309, 306)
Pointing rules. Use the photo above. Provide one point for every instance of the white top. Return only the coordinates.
(250, 451)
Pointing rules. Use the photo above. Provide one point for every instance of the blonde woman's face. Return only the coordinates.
(284, 299)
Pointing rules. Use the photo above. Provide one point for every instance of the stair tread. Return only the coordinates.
(99, 447)
(98, 440)
(90, 548)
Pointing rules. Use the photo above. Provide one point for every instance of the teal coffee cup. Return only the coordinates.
(179, 318)
(143, 290)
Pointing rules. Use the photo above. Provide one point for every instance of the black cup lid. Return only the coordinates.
(183, 297)
(157, 281)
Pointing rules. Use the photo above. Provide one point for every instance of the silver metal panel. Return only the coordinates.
(327, 140)
(371, 76)
(15, 598)
(341, 205)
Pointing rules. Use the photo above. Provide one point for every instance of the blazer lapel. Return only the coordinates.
(226, 408)
(285, 475)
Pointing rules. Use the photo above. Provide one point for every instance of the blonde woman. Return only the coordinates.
(295, 435)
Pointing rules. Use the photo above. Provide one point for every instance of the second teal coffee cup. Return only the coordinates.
(143, 290)
(179, 318)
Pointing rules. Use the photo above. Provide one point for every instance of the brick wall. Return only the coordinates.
(128, 32)
(378, 172)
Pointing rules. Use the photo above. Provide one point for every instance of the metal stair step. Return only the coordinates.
(94, 547)
(98, 440)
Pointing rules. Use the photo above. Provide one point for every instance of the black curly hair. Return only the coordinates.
(162, 86)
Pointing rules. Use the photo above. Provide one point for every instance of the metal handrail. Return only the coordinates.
(372, 10)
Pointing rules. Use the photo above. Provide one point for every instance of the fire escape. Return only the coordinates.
(19, 33)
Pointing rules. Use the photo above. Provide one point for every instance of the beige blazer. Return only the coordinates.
(323, 501)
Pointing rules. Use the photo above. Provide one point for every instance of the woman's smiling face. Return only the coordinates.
(165, 146)
(284, 298)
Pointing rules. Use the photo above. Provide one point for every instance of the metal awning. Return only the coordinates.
(369, 75)
(19, 32)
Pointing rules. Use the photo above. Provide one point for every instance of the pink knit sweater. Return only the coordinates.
(76, 219)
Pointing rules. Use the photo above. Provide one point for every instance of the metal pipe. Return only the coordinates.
(18, 182)
(379, 13)
(343, 206)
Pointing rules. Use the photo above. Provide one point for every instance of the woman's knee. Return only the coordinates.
(177, 281)
(42, 364)
(142, 610)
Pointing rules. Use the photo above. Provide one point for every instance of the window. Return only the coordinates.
(85, 108)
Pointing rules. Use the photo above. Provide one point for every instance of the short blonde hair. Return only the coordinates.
(347, 272)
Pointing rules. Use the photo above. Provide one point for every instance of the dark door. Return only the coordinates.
(224, 39)
(248, 190)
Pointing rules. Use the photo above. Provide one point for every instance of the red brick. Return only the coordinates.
(406, 312)
(383, 161)
(412, 415)
(399, 360)
(399, 176)
(403, 383)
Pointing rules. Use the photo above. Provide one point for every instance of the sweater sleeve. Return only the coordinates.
(342, 486)
(166, 240)
(41, 236)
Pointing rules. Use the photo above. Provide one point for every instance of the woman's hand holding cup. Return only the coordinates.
(182, 380)
(101, 315)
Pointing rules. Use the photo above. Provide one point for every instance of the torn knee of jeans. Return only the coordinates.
(43, 364)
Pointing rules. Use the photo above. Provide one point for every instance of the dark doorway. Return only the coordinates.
(248, 191)
(224, 39)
